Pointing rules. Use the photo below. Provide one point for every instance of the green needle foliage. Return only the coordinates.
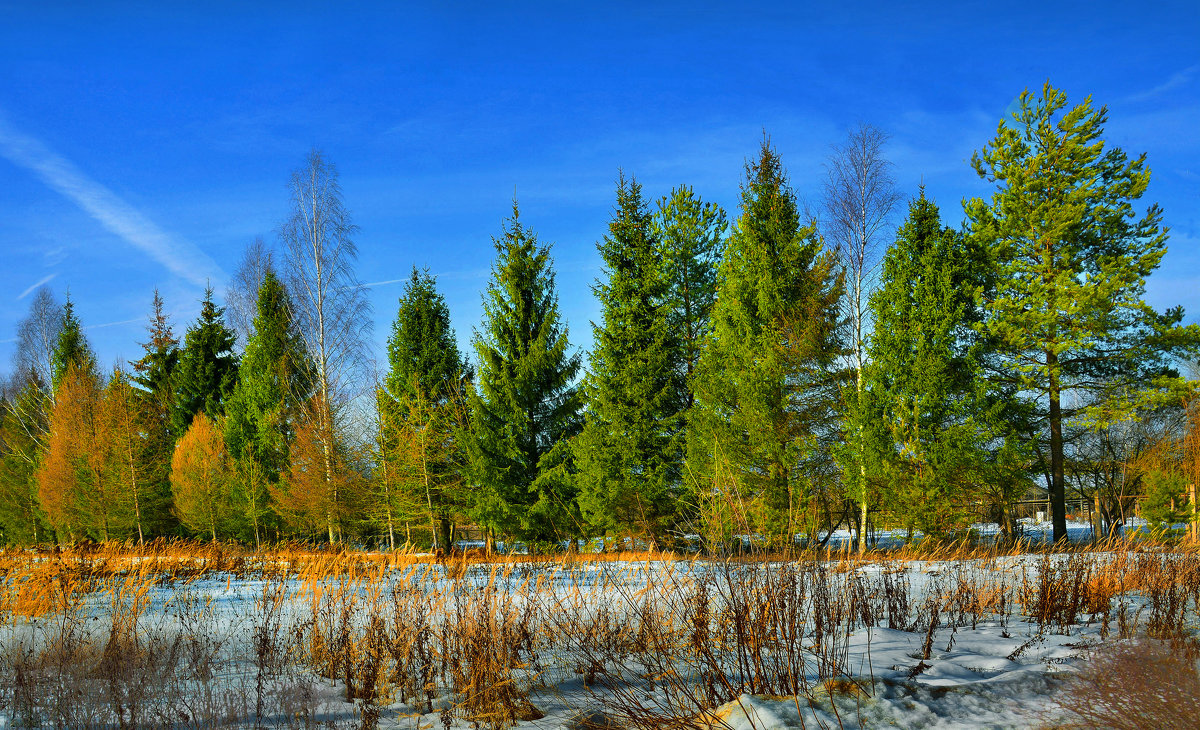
(207, 370)
(928, 415)
(153, 375)
(691, 241)
(274, 381)
(72, 347)
(630, 450)
(1072, 256)
(420, 408)
(766, 389)
(527, 403)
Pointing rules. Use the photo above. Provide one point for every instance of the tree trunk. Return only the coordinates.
(1058, 491)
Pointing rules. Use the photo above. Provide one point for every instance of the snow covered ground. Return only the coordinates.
(884, 643)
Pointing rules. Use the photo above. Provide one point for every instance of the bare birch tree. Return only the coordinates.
(241, 296)
(37, 336)
(860, 197)
(332, 311)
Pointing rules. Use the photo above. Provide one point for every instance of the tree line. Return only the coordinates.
(778, 376)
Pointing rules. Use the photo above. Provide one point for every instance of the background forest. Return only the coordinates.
(779, 371)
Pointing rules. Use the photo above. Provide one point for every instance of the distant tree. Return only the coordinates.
(72, 348)
(423, 396)
(1071, 258)
(316, 495)
(25, 420)
(130, 467)
(331, 307)
(766, 388)
(860, 196)
(527, 403)
(201, 477)
(207, 371)
(394, 502)
(691, 241)
(630, 451)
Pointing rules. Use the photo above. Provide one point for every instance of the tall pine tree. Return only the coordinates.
(527, 402)
(72, 348)
(207, 370)
(1071, 258)
(691, 241)
(629, 453)
(766, 389)
(153, 374)
(931, 413)
(420, 407)
(275, 379)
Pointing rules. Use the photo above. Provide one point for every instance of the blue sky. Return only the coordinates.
(145, 145)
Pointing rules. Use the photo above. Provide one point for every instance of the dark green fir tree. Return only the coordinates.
(422, 406)
(153, 376)
(72, 347)
(274, 381)
(691, 241)
(629, 453)
(931, 416)
(766, 387)
(207, 370)
(527, 402)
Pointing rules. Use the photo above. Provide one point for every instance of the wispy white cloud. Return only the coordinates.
(34, 286)
(1178, 79)
(373, 284)
(180, 257)
(114, 324)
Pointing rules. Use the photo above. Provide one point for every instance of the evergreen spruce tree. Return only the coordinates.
(766, 387)
(420, 407)
(691, 240)
(527, 403)
(207, 370)
(629, 452)
(274, 380)
(929, 411)
(153, 374)
(1072, 257)
(72, 347)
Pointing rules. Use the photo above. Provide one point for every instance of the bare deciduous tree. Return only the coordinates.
(860, 196)
(37, 336)
(241, 296)
(332, 311)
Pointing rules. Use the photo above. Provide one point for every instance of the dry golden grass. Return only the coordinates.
(471, 635)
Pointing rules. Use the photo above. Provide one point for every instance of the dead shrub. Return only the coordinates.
(1137, 684)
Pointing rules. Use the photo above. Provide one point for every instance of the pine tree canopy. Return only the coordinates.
(629, 453)
(691, 240)
(925, 411)
(527, 401)
(766, 386)
(1072, 257)
(72, 348)
(207, 370)
(423, 343)
(274, 381)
